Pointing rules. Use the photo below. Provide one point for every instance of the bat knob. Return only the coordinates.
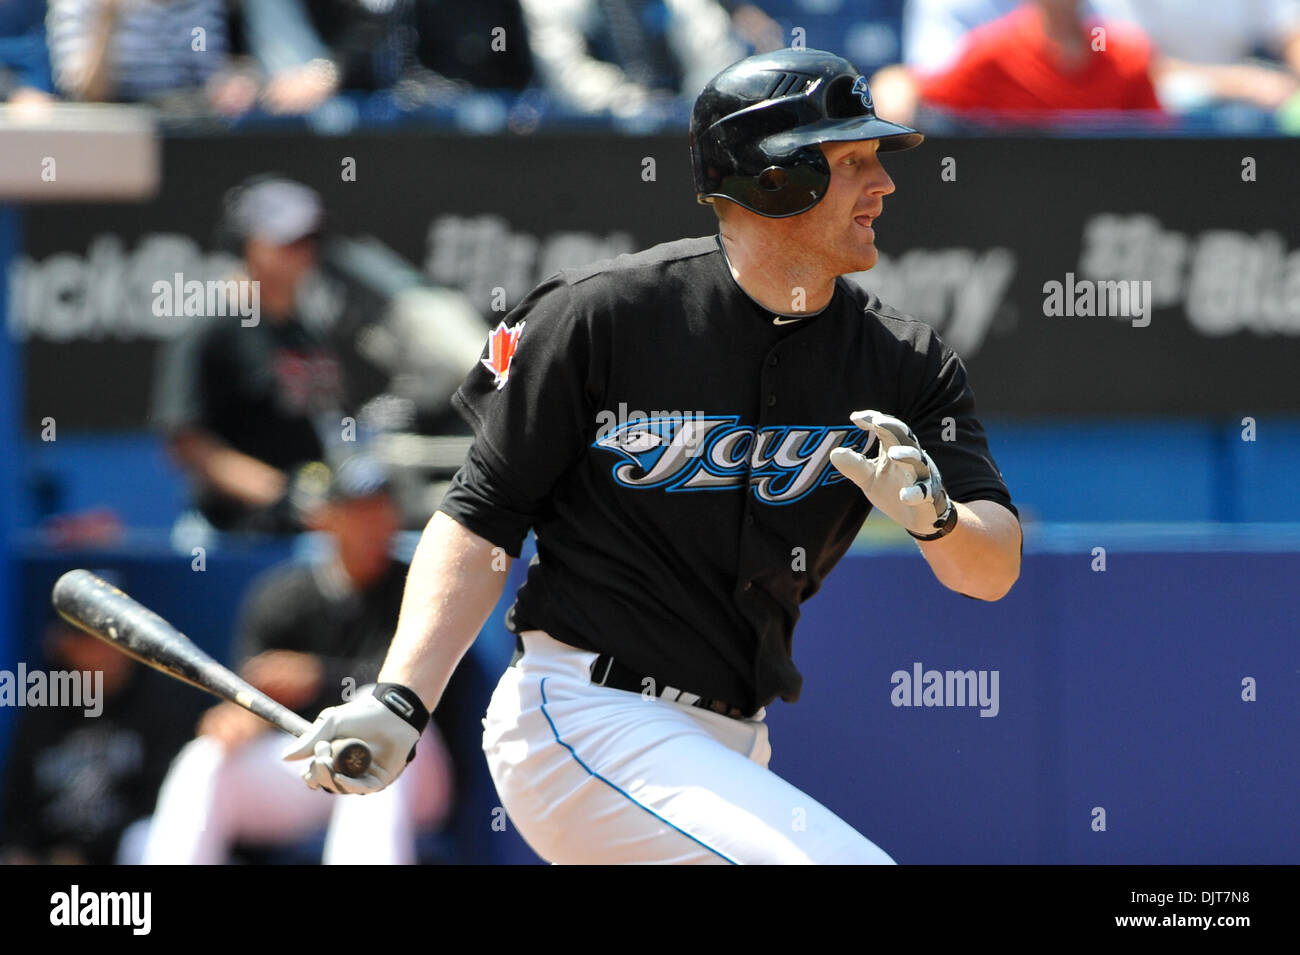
(351, 757)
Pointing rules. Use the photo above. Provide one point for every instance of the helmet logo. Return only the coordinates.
(864, 94)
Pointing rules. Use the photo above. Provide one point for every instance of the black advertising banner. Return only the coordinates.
(1078, 277)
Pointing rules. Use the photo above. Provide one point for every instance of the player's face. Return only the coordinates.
(363, 529)
(840, 227)
(279, 267)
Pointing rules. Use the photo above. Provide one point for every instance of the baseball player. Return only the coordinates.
(674, 547)
(307, 633)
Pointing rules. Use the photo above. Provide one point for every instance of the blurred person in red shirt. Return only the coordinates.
(1206, 51)
(1041, 58)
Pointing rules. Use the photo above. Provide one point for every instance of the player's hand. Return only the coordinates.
(388, 720)
(231, 94)
(901, 480)
(230, 725)
(300, 89)
(286, 676)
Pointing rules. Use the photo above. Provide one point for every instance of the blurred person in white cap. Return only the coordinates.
(243, 402)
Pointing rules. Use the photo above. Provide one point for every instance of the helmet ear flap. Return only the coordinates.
(784, 188)
(775, 185)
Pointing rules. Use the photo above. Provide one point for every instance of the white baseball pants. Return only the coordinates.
(594, 775)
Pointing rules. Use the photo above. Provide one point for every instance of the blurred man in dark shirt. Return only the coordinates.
(243, 403)
(310, 634)
(74, 781)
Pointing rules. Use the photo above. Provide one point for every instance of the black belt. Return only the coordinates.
(606, 671)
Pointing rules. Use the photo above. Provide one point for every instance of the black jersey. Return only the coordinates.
(668, 439)
(258, 388)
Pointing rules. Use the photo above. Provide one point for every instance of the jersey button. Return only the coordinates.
(748, 585)
(771, 401)
(749, 520)
(771, 359)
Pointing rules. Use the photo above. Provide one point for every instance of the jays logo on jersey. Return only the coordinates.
(711, 452)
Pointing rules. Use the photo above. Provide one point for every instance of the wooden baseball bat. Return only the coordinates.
(102, 610)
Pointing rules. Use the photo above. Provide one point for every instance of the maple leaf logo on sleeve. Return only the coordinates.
(501, 347)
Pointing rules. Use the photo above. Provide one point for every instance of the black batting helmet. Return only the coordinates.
(755, 129)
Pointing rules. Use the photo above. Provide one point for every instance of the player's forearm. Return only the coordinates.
(456, 578)
(981, 557)
(231, 472)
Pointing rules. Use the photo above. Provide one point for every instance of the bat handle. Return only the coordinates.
(351, 757)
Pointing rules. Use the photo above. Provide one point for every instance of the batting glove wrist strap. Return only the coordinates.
(945, 526)
(403, 701)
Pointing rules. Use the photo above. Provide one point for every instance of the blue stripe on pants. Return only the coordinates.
(622, 792)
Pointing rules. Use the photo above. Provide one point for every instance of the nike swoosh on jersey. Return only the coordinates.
(785, 321)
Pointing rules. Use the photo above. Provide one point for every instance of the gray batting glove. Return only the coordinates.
(901, 480)
(389, 721)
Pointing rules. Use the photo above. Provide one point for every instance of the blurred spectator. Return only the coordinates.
(935, 30)
(621, 55)
(308, 635)
(427, 49)
(24, 61)
(1206, 45)
(299, 68)
(74, 782)
(456, 41)
(132, 50)
(754, 27)
(239, 404)
(1202, 48)
(1040, 58)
